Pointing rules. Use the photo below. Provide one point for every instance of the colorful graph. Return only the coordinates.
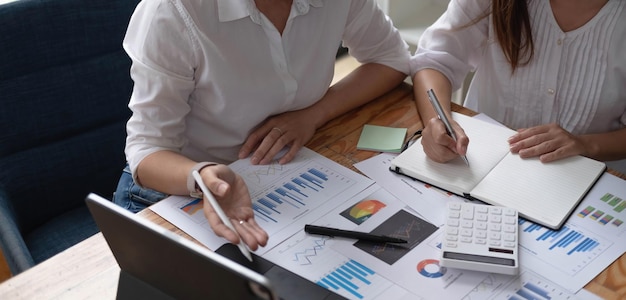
(192, 210)
(430, 268)
(362, 211)
(192, 207)
(606, 215)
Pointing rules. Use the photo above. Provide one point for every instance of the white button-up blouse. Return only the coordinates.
(576, 79)
(206, 72)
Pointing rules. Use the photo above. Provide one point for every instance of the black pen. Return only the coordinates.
(313, 229)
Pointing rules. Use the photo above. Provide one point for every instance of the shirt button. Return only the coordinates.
(559, 42)
(551, 91)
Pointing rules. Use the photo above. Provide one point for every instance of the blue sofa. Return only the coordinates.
(64, 90)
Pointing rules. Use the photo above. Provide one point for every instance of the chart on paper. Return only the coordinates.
(313, 258)
(569, 249)
(281, 194)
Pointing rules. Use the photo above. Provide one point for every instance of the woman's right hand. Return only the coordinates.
(438, 145)
(231, 193)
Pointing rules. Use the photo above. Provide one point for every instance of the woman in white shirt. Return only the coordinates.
(554, 70)
(218, 80)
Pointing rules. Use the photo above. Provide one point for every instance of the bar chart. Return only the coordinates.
(568, 249)
(608, 213)
(530, 286)
(314, 258)
(302, 192)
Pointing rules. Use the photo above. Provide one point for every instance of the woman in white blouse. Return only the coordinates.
(219, 80)
(554, 70)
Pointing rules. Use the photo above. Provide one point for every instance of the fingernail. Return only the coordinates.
(254, 160)
(221, 189)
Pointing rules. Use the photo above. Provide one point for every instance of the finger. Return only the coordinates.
(266, 152)
(291, 154)
(527, 143)
(252, 141)
(212, 178)
(245, 234)
(462, 140)
(217, 225)
(258, 232)
(252, 234)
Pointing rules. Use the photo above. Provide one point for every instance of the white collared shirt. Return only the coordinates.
(207, 72)
(576, 79)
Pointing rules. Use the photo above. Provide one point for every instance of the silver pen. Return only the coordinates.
(442, 116)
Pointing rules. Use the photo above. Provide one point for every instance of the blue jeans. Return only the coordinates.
(133, 197)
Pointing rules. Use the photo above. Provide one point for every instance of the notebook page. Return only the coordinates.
(486, 148)
(543, 193)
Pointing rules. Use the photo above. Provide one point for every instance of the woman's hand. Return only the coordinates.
(231, 193)
(291, 129)
(441, 147)
(549, 142)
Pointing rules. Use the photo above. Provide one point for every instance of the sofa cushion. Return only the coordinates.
(64, 90)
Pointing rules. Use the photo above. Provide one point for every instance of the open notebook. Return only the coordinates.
(544, 193)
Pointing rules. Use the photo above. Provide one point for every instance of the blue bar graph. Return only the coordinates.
(537, 290)
(303, 184)
(347, 277)
(566, 237)
(312, 180)
(296, 194)
(319, 174)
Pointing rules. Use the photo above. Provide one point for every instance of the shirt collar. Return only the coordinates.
(230, 10)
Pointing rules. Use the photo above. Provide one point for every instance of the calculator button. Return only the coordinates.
(467, 224)
(509, 244)
(482, 208)
(481, 225)
(455, 205)
(467, 212)
(453, 238)
(495, 219)
(509, 237)
(476, 230)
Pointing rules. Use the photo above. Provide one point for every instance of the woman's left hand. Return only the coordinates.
(549, 142)
(291, 129)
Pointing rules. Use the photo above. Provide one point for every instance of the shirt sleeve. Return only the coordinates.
(454, 44)
(161, 49)
(371, 37)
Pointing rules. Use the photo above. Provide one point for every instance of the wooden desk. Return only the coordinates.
(88, 270)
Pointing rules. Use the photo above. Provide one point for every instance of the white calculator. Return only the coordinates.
(480, 237)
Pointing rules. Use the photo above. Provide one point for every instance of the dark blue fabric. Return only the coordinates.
(64, 91)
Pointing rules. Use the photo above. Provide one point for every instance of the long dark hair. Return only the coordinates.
(511, 23)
